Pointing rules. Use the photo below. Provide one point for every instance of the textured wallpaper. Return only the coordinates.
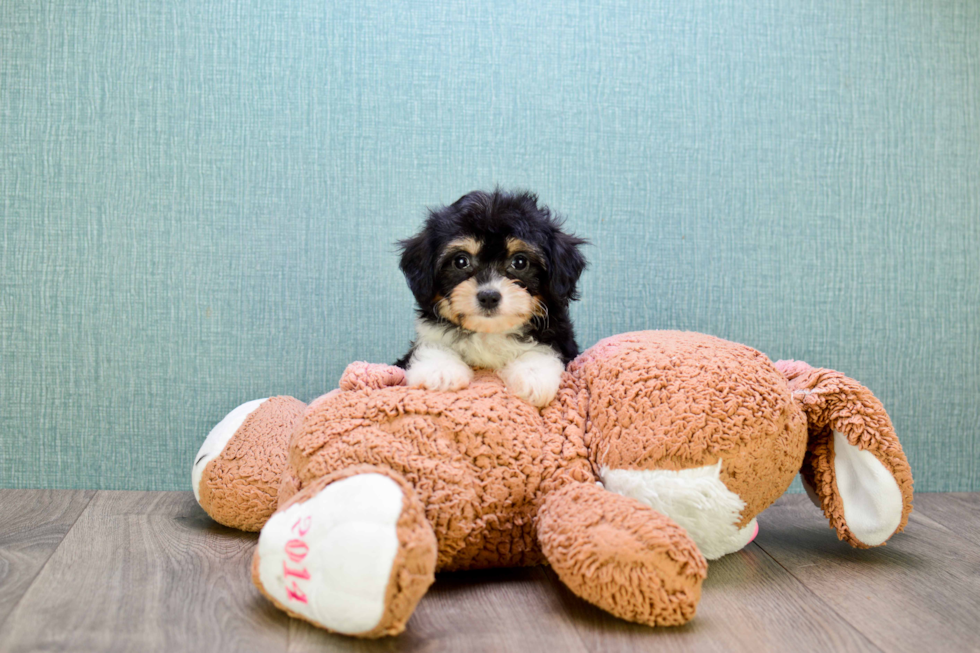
(199, 199)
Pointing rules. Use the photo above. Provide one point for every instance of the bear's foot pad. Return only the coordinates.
(329, 559)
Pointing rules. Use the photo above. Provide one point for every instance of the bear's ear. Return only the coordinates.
(418, 266)
(854, 467)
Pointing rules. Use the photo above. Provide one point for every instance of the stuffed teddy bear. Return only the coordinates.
(658, 453)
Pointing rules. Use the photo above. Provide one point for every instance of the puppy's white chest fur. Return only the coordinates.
(490, 350)
(444, 358)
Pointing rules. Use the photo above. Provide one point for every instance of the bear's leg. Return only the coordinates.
(621, 555)
(237, 471)
(352, 553)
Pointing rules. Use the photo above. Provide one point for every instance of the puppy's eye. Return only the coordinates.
(519, 262)
(461, 262)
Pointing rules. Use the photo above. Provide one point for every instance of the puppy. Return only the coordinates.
(492, 275)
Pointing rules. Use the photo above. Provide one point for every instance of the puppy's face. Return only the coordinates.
(492, 263)
(488, 285)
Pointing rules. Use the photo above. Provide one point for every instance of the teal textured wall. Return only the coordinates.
(199, 199)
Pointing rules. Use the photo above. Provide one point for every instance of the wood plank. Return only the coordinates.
(920, 592)
(958, 512)
(150, 571)
(146, 571)
(491, 610)
(748, 603)
(32, 525)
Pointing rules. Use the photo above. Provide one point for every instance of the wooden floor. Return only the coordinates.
(149, 571)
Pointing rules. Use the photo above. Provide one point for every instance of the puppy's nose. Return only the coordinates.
(488, 299)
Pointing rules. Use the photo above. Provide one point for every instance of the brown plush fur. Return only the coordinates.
(681, 400)
(833, 402)
(497, 482)
(620, 555)
(476, 458)
(243, 487)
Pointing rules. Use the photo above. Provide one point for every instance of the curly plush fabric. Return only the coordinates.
(243, 490)
(622, 556)
(689, 428)
(834, 402)
(477, 458)
(677, 400)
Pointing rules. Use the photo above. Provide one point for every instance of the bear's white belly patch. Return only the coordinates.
(695, 499)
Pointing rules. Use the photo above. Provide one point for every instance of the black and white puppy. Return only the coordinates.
(492, 275)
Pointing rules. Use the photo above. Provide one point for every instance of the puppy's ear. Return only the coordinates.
(417, 264)
(565, 265)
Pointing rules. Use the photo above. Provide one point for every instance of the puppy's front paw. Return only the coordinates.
(439, 379)
(437, 370)
(534, 377)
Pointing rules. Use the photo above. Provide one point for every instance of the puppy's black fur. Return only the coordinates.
(551, 275)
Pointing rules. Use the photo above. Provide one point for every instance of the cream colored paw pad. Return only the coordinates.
(329, 558)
